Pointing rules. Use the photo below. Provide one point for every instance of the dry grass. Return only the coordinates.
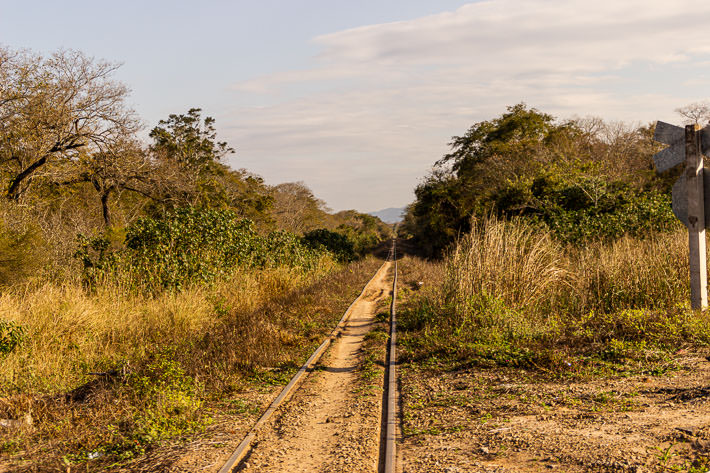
(170, 356)
(511, 294)
(70, 332)
(631, 273)
(527, 269)
(508, 260)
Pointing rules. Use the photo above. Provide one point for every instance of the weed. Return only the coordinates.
(10, 446)
(699, 465)
(239, 406)
(382, 316)
(665, 455)
(11, 336)
(374, 349)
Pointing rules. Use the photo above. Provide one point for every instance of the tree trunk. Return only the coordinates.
(104, 208)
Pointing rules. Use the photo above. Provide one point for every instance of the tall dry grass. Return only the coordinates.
(70, 332)
(507, 259)
(649, 273)
(523, 266)
(509, 290)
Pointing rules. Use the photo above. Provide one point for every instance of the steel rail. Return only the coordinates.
(390, 451)
(242, 448)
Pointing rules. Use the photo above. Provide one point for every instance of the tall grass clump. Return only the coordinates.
(499, 285)
(634, 291)
(502, 279)
(511, 260)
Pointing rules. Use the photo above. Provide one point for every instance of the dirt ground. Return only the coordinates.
(506, 420)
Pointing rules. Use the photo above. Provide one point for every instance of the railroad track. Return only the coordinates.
(386, 463)
(389, 461)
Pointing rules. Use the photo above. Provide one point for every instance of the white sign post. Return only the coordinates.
(696, 218)
(689, 196)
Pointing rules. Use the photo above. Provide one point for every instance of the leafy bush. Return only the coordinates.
(190, 246)
(338, 244)
(579, 208)
(169, 397)
(167, 404)
(281, 248)
(96, 257)
(11, 336)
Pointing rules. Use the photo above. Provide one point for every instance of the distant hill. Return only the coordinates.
(391, 215)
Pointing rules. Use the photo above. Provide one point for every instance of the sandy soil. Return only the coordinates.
(495, 420)
(332, 422)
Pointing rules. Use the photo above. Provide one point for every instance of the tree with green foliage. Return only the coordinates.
(516, 134)
(336, 243)
(188, 156)
(189, 140)
(584, 179)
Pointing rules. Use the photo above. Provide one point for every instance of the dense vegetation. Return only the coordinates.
(71, 164)
(582, 179)
(558, 251)
(173, 276)
(510, 294)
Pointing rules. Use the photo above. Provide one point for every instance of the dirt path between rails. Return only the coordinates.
(331, 424)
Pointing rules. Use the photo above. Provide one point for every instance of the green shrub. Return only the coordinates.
(579, 208)
(190, 246)
(11, 336)
(338, 244)
(282, 248)
(96, 257)
(167, 404)
(169, 399)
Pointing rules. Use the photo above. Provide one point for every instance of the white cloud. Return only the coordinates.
(382, 100)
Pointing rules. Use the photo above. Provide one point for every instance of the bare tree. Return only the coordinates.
(55, 109)
(695, 113)
(296, 208)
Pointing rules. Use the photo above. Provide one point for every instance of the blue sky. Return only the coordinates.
(358, 98)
